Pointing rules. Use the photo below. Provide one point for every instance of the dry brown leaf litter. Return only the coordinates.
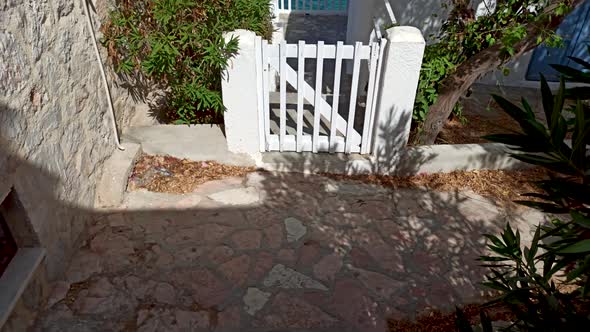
(172, 175)
(503, 186)
(167, 174)
(74, 292)
(473, 127)
(436, 321)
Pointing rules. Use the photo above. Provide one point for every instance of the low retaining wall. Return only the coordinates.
(164, 140)
(410, 161)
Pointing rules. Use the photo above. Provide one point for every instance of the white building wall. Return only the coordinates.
(428, 16)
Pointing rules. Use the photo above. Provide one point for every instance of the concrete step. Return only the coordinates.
(111, 188)
(195, 142)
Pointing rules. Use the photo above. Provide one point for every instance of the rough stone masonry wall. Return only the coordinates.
(55, 132)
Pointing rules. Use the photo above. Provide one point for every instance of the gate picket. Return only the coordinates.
(353, 94)
(283, 87)
(340, 135)
(336, 98)
(300, 99)
(318, 95)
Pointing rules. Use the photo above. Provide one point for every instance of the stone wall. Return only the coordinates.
(55, 131)
(30, 304)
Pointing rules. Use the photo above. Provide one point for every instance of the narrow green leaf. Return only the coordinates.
(493, 259)
(509, 236)
(513, 110)
(559, 101)
(577, 248)
(580, 219)
(548, 265)
(534, 247)
(569, 72)
(582, 62)
(548, 100)
(583, 268)
(580, 137)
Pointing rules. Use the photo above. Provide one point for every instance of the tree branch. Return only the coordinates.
(468, 72)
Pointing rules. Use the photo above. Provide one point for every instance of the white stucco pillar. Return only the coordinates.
(399, 80)
(239, 90)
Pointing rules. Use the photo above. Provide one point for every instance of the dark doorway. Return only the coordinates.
(8, 246)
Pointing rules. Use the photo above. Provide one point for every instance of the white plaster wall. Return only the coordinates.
(428, 16)
(517, 70)
(360, 15)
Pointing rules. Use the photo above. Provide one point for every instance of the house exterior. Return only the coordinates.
(55, 137)
(429, 15)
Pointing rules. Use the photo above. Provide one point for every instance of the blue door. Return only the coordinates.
(575, 31)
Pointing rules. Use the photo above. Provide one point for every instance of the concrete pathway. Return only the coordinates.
(313, 28)
(277, 252)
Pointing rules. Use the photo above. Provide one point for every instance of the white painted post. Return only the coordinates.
(402, 60)
(240, 96)
(260, 73)
(266, 92)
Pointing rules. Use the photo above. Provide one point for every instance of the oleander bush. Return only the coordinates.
(547, 283)
(178, 46)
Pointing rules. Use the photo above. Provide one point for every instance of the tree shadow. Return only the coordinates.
(413, 248)
(146, 91)
(187, 262)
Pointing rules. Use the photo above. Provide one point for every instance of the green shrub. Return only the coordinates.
(526, 277)
(436, 65)
(178, 45)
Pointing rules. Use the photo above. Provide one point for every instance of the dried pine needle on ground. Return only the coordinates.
(503, 186)
(172, 175)
(167, 174)
(436, 321)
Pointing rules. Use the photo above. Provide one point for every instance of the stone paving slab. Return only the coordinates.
(311, 254)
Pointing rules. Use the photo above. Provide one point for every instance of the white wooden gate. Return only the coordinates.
(327, 128)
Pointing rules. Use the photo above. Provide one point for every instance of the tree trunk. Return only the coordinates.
(467, 73)
(453, 87)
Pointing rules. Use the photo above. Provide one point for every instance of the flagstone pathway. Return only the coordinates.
(277, 252)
